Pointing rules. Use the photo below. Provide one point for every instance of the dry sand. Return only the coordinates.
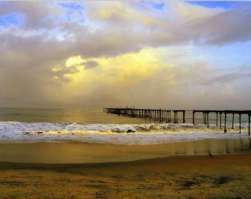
(227, 176)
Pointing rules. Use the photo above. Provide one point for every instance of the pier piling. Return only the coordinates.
(232, 120)
(240, 122)
(220, 119)
(193, 117)
(176, 116)
(249, 115)
(217, 119)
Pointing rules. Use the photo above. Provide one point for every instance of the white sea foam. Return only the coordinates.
(129, 134)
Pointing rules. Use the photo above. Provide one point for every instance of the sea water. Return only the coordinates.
(90, 135)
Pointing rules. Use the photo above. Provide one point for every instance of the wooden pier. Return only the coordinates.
(221, 117)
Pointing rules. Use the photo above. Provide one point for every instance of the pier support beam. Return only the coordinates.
(169, 116)
(172, 116)
(249, 124)
(193, 117)
(204, 118)
(184, 116)
(220, 119)
(225, 122)
(175, 117)
(240, 122)
(232, 120)
(160, 115)
(207, 114)
(217, 119)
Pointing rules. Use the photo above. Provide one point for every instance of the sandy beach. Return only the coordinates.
(227, 176)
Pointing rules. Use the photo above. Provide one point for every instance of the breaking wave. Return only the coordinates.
(129, 134)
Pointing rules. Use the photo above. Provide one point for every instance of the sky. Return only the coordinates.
(138, 53)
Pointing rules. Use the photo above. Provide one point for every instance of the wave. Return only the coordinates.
(129, 134)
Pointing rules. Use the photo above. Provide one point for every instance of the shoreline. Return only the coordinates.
(172, 160)
(77, 152)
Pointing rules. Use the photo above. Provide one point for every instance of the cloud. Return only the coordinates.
(115, 53)
(91, 64)
(35, 13)
(229, 26)
(107, 31)
(230, 77)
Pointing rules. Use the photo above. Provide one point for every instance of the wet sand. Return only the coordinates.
(77, 152)
(198, 169)
(225, 176)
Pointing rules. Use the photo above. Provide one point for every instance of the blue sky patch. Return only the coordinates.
(219, 4)
(158, 6)
(74, 12)
(72, 6)
(12, 19)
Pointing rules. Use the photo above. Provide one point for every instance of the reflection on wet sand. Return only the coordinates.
(73, 152)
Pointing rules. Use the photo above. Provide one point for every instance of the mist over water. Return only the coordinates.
(60, 115)
(90, 116)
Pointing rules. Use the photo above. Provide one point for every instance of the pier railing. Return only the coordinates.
(171, 116)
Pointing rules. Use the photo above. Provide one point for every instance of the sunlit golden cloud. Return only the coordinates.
(123, 71)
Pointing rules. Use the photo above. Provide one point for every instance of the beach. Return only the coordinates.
(73, 152)
(89, 160)
(226, 176)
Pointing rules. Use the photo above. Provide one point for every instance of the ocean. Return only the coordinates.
(60, 115)
(96, 126)
(90, 135)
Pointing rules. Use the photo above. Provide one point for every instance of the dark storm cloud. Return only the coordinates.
(91, 64)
